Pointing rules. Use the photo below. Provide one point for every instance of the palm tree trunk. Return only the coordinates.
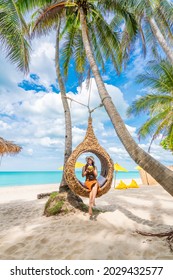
(158, 171)
(160, 38)
(68, 126)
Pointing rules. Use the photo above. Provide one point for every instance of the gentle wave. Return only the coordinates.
(23, 178)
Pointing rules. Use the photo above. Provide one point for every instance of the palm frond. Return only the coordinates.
(44, 20)
(13, 33)
(69, 39)
(108, 40)
(29, 5)
(154, 126)
(167, 142)
(158, 75)
(150, 39)
(143, 39)
(96, 47)
(79, 53)
(147, 103)
(164, 18)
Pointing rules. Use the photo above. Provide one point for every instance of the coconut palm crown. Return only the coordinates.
(158, 104)
(14, 34)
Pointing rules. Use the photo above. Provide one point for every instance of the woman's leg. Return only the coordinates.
(94, 193)
(92, 197)
(90, 203)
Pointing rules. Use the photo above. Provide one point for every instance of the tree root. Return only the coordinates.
(169, 235)
(42, 195)
(64, 202)
(64, 188)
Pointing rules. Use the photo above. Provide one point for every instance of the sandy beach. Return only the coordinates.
(27, 234)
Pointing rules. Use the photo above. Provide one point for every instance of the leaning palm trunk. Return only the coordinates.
(160, 38)
(68, 129)
(162, 175)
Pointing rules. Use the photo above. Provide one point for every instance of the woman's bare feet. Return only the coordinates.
(90, 211)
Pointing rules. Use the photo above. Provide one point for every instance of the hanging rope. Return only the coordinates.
(89, 95)
(89, 98)
(76, 101)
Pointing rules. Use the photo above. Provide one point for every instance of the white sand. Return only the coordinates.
(26, 234)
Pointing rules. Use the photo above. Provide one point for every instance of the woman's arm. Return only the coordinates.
(95, 172)
(84, 173)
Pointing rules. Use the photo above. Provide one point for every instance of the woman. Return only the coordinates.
(90, 171)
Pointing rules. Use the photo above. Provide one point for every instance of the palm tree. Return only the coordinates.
(158, 104)
(84, 10)
(159, 15)
(13, 34)
(40, 26)
(155, 18)
(67, 114)
(147, 162)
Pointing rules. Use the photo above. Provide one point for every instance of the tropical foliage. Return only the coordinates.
(14, 34)
(83, 17)
(154, 19)
(158, 104)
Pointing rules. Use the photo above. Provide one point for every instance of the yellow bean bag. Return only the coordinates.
(121, 186)
(133, 184)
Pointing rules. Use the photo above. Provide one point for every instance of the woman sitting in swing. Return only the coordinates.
(90, 171)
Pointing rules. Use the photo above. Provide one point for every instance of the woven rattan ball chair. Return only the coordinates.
(89, 144)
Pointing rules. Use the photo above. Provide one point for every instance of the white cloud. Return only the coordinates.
(36, 120)
(48, 142)
(127, 85)
(77, 135)
(132, 130)
(158, 152)
(137, 97)
(105, 77)
(80, 112)
(30, 152)
(42, 59)
(119, 151)
(4, 126)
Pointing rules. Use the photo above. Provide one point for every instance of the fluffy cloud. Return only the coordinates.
(132, 130)
(82, 96)
(158, 152)
(36, 120)
(42, 59)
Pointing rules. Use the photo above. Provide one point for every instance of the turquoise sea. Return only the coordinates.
(23, 178)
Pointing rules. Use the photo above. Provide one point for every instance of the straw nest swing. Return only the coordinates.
(89, 144)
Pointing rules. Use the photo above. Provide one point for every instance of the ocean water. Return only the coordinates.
(23, 178)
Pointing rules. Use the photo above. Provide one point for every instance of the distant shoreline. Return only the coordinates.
(24, 178)
(34, 186)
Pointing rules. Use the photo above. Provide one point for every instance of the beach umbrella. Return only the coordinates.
(8, 147)
(117, 168)
(138, 167)
(61, 168)
(77, 165)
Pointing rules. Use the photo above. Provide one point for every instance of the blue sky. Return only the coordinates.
(31, 111)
